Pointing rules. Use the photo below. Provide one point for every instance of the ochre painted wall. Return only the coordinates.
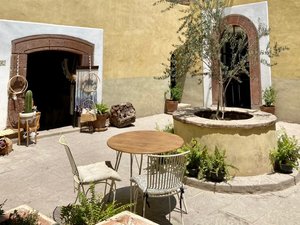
(136, 34)
(138, 38)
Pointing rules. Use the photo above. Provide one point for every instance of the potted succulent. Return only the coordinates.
(171, 103)
(214, 167)
(102, 113)
(269, 96)
(285, 157)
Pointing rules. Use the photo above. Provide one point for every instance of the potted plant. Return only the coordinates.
(171, 104)
(214, 167)
(269, 95)
(102, 114)
(193, 158)
(90, 210)
(285, 157)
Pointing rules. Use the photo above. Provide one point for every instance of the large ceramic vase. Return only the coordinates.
(170, 106)
(100, 123)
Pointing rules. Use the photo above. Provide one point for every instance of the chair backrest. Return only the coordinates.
(62, 141)
(165, 171)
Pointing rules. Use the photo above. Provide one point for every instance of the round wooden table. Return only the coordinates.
(143, 142)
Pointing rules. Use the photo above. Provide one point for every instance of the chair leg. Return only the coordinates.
(169, 198)
(144, 205)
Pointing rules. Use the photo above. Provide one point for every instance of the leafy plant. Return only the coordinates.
(90, 210)
(169, 128)
(101, 108)
(194, 157)
(286, 153)
(269, 95)
(214, 166)
(176, 93)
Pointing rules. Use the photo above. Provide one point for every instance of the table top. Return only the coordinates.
(145, 142)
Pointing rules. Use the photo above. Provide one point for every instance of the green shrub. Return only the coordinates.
(214, 167)
(194, 157)
(269, 96)
(101, 108)
(287, 152)
(90, 210)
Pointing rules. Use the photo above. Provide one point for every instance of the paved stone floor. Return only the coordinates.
(40, 176)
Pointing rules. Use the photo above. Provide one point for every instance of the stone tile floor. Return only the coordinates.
(40, 176)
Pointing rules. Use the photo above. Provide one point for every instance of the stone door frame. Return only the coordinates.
(46, 42)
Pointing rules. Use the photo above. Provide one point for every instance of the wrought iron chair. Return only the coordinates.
(100, 172)
(164, 178)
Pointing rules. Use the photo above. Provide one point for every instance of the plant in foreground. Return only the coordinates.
(90, 210)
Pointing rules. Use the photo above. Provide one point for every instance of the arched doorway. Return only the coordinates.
(254, 64)
(40, 61)
(53, 92)
(237, 93)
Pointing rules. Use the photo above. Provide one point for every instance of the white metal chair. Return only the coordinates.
(164, 178)
(100, 172)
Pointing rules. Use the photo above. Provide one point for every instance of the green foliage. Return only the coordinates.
(175, 93)
(169, 128)
(28, 101)
(203, 35)
(269, 96)
(287, 151)
(16, 218)
(194, 157)
(214, 166)
(90, 210)
(101, 108)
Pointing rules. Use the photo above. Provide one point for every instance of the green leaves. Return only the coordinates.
(287, 151)
(90, 210)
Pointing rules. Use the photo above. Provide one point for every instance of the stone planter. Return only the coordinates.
(22, 210)
(127, 217)
(247, 141)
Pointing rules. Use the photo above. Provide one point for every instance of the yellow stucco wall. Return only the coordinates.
(138, 38)
(136, 34)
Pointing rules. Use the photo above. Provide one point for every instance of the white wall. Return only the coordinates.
(256, 12)
(10, 30)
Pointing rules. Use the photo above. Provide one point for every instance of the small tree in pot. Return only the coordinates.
(269, 96)
(102, 111)
(171, 104)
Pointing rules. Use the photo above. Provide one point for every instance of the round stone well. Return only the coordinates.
(247, 141)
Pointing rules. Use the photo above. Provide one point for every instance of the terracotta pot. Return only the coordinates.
(170, 106)
(268, 109)
(100, 123)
